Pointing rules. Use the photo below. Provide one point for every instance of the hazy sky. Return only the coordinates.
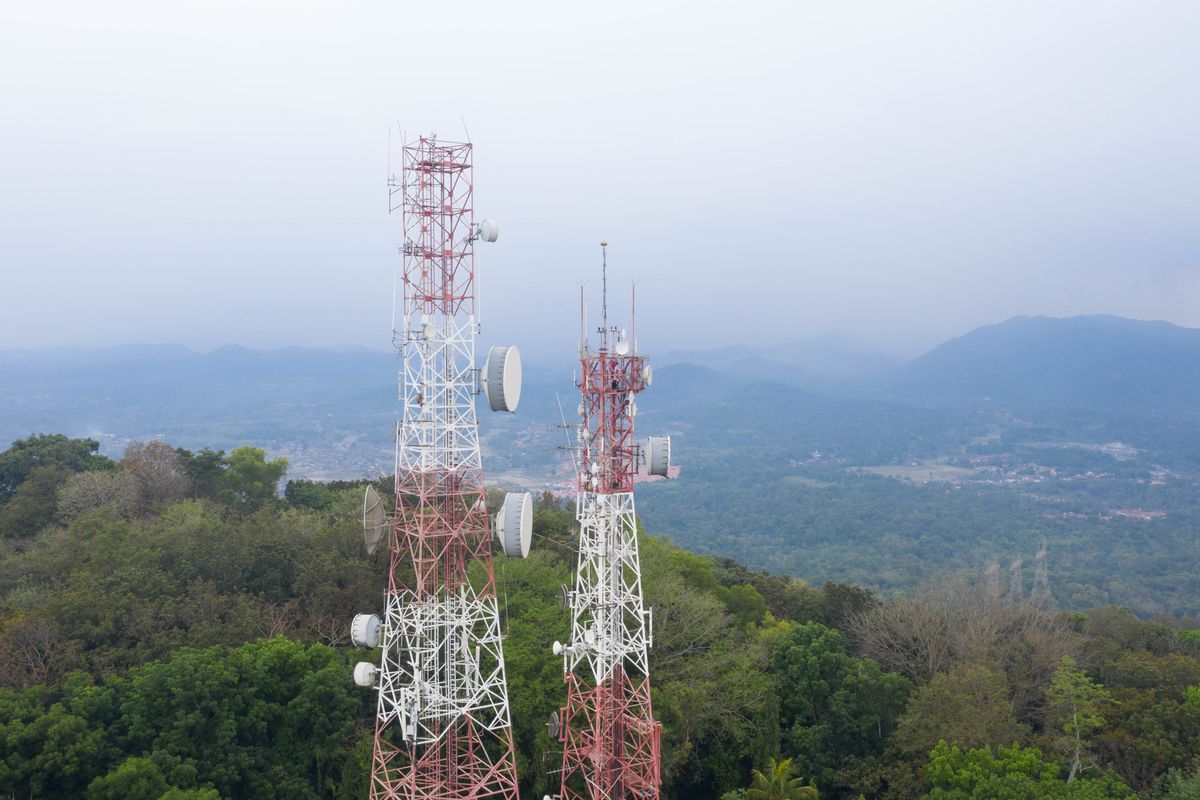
(211, 172)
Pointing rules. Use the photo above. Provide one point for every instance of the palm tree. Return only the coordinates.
(777, 783)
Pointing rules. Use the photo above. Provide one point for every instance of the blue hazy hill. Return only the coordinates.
(1084, 363)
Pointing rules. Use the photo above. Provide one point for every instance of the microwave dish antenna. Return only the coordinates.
(502, 378)
(514, 524)
(373, 520)
(658, 455)
(365, 630)
(365, 674)
(488, 230)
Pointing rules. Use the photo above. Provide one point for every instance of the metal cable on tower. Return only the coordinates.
(607, 729)
(442, 727)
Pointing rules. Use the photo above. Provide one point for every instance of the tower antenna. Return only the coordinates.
(442, 722)
(582, 322)
(633, 315)
(604, 292)
(610, 739)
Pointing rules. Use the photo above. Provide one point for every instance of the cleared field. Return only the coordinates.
(800, 480)
(922, 472)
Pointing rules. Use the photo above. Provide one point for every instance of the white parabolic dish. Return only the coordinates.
(364, 674)
(373, 520)
(502, 378)
(365, 630)
(514, 524)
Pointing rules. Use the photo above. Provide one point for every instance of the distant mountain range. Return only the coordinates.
(824, 362)
(1085, 363)
(327, 408)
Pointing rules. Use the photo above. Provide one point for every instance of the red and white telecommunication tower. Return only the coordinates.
(442, 726)
(607, 728)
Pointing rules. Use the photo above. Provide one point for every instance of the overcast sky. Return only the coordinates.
(214, 172)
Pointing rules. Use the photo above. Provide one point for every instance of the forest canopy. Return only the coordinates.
(172, 626)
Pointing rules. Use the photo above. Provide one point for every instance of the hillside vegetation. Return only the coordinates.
(169, 628)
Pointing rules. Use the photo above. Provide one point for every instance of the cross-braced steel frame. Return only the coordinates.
(609, 736)
(442, 726)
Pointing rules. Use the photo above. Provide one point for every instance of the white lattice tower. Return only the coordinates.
(607, 727)
(442, 727)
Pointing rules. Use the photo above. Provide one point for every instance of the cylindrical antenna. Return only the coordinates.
(633, 317)
(471, 236)
(604, 293)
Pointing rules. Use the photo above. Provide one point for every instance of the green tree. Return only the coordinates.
(1177, 786)
(309, 494)
(1147, 735)
(34, 504)
(744, 603)
(46, 750)
(47, 450)
(135, 779)
(968, 706)
(837, 711)
(713, 691)
(1012, 773)
(204, 470)
(266, 720)
(839, 602)
(250, 480)
(176, 793)
(1073, 707)
(777, 783)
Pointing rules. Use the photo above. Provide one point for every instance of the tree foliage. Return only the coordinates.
(196, 647)
(89, 491)
(837, 711)
(968, 706)
(270, 719)
(46, 450)
(778, 782)
(157, 473)
(249, 480)
(1011, 773)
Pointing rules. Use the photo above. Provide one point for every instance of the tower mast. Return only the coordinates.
(442, 726)
(607, 728)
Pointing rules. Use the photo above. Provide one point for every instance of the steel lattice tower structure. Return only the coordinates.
(607, 728)
(442, 725)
